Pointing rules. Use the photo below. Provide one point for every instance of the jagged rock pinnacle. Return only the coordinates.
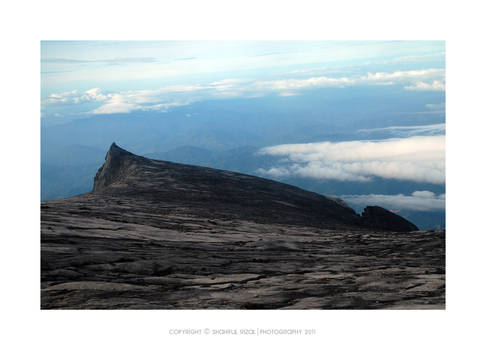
(116, 161)
(115, 151)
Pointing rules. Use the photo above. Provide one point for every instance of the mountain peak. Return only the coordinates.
(208, 192)
(116, 151)
(117, 161)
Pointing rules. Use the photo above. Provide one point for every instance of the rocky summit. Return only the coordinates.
(161, 235)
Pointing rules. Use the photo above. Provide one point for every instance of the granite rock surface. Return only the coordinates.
(161, 235)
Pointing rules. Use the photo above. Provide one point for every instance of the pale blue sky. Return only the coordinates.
(119, 65)
(104, 77)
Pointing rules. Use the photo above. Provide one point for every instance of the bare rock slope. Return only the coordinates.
(155, 234)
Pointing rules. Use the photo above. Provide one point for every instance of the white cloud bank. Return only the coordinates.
(417, 158)
(62, 97)
(425, 79)
(435, 85)
(417, 201)
(127, 101)
(175, 95)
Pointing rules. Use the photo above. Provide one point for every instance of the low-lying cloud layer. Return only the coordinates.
(175, 95)
(417, 158)
(407, 131)
(425, 79)
(417, 201)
